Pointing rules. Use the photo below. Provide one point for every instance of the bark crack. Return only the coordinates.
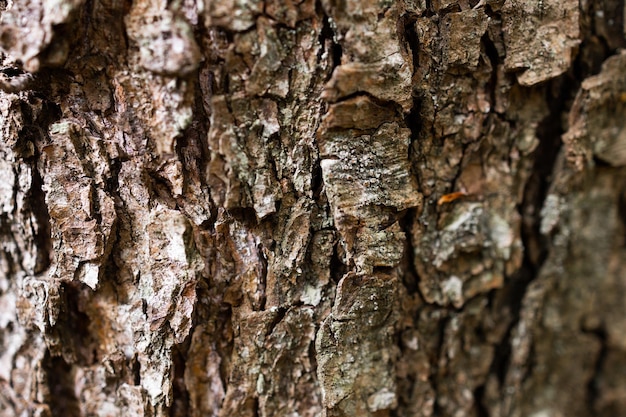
(593, 389)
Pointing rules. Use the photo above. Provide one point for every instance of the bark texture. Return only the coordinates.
(312, 208)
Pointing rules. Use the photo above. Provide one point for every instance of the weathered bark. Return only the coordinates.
(340, 208)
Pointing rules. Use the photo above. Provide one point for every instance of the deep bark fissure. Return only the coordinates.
(180, 402)
(494, 59)
(481, 409)
(537, 246)
(433, 378)
(545, 155)
(327, 34)
(593, 390)
(410, 277)
(63, 401)
(43, 235)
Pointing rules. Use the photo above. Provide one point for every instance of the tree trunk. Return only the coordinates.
(313, 208)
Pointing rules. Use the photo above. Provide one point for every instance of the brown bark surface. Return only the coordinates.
(312, 208)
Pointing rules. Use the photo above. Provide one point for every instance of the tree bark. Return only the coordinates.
(314, 208)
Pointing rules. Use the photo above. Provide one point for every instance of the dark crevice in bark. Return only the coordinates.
(245, 215)
(256, 407)
(60, 378)
(72, 327)
(377, 101)
(414, 122)
(263, 278)
(621, 210)
(317, 182)
(593, 389)
(549, 133)
(380, 269)
(479, 407)
(111, 184)
(559, 94)
(193, 152)
(43, 234)
(337, 267)
(410, 277)
(535, 245)
(180, 403)
(434, 375)
(161, 189)
(606, 20)
(225, 343)
(408, 36)
(36, 133)
(280, 315)
(328, 34)
(492, 54)
(597, 44)
(136, 370)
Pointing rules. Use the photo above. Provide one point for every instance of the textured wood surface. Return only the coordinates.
(312, 208)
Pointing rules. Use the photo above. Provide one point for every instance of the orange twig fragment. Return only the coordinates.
(449, 198)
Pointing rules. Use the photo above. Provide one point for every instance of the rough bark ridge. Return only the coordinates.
(339, 208)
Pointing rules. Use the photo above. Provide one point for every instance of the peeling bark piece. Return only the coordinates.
(242, 167)
(234, 15)
(291, 11)
(541, 38)
(379, 248)
(161, 104)
(359, 113)
(355, 348)
(462, 33)
(248, 348)
(165, 40)
(7, 183)
(81, 215)
(268, 66)
(288, 368)
(27, 29)
(284, 272)
(373, 58)
(158, 263)
(320, 255)
(596, 120)
(349, 159)
(386, 80)
(23, 380)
